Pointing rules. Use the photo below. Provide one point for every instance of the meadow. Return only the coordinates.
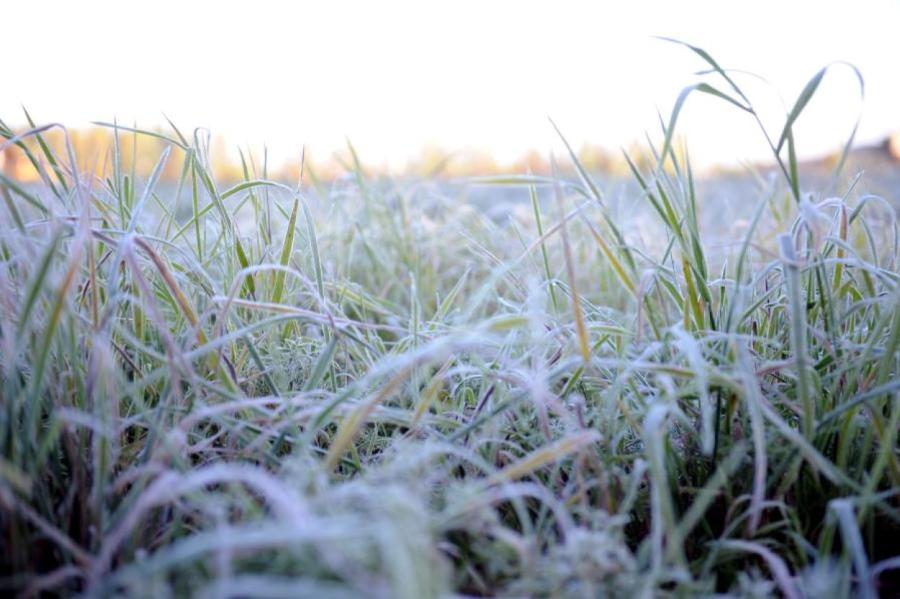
(375, 388)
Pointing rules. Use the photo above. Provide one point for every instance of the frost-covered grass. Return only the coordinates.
(374, 389)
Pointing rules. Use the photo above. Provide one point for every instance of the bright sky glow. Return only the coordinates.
(394, 76)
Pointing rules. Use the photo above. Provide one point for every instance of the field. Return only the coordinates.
(383, 388)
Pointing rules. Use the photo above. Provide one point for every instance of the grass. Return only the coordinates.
(264, 390)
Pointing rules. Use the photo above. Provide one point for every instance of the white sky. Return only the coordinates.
(394, 76)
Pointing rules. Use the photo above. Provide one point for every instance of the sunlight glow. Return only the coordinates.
(398, 76)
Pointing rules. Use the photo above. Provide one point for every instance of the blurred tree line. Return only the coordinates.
(139, 153)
